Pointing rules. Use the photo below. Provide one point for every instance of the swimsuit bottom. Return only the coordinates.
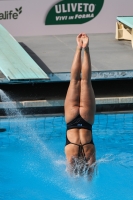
(79, 122)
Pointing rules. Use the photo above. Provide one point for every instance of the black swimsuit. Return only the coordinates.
(79, 122)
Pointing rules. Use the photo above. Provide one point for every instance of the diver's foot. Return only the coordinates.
(79, 41)
(85, 41)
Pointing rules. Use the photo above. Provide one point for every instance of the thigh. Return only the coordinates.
(87, 101)
(72, 101)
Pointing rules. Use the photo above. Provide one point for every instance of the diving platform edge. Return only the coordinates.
(15, 63)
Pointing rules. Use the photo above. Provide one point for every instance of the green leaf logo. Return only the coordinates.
(19, 10)
(73, 12)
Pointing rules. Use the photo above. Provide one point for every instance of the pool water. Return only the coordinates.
(33, 166)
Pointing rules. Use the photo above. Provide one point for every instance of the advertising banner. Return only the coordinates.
(40, 17)
(73, 12)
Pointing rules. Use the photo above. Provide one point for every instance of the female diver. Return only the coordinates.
(80, 107)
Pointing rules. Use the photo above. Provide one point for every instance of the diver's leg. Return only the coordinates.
(72, 101)
(87, 102)
(87, 98)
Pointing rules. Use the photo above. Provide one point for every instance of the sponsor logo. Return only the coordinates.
(11, 14)
(79, 124)
(73, 12)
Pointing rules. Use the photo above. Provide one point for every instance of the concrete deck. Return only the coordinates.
(57, 103)
(57, 52)
(111, 59)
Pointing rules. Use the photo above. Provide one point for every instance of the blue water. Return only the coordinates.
(33, 166)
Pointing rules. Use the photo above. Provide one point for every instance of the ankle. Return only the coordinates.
(79, 48)
(86, 48)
